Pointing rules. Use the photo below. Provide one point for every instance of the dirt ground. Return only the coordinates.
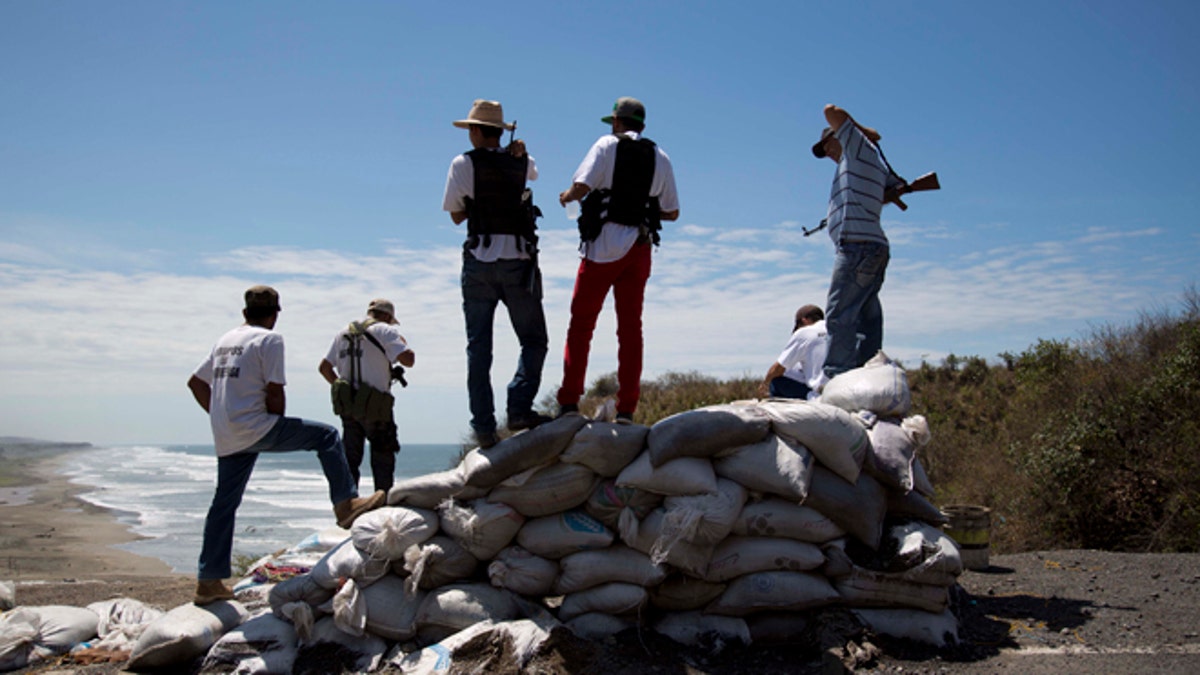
(1040, 613)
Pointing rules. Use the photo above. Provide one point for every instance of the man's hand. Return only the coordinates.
(517, 148)
(576, 191)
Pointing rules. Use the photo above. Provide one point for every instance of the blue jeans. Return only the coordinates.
(483, 286)
(786, 387)
(233, 472)
(853, 305)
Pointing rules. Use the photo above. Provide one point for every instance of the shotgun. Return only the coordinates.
(927, 182)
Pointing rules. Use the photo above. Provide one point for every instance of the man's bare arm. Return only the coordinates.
(576, 191)
(327, 372)
(276, 401)
(836, 117)
(201, 392)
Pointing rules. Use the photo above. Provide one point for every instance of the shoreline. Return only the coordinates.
(50, 534)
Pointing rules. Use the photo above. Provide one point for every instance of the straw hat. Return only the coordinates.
(486, 113)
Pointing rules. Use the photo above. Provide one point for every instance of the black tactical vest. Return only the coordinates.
(628, 202)
(499, 185)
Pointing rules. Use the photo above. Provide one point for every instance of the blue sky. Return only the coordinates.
(156, 158)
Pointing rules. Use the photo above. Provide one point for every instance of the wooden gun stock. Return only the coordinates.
(927, 182)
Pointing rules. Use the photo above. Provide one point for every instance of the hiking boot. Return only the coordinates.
(526, 420)
(209, 591)
(486, 439)
(624, 418)
(567, 409)
(349, 510)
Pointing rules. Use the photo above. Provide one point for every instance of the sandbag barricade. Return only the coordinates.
(740, 517)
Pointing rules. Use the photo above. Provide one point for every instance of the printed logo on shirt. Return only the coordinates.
(235, 350)
(226, 371)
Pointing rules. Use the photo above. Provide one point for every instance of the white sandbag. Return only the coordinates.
(703, 519)
(939, 630)
(893, 449)
(482, 527)
(597, 625)
(350, 609)
(488, 467)
(683, 476)
(867, 588)
(8, 595)
(608, 502)
(880, 386)
(437, 562)
(368, 649)
(563, 534)
(773, 591)
(710, 631)
(681, 593)
(835, 437)
(586, 569)
(524, 636)
(926, 554)
(303, 588)
(921, 482)
(32, 634)
(121, 622)
(914, 505)
(522, 572)
(778, 518)
(427, 491)
(704, 432)
(184, 633)
(263, 644)
(346, 561)
(738, 556)
(391, 609)
(606, 447)
(449, 609)
(648, 537)
(613, 598)
(775, 465)
(547, 490)
(388, 532)
(859, 508)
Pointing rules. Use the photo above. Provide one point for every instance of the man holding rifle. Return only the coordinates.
(486, 188)
(857, 197)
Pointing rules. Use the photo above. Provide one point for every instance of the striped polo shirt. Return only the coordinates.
(857, 194)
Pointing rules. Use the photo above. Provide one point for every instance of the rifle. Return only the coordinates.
(927, 182)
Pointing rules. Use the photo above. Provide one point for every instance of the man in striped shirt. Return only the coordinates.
(852, 308)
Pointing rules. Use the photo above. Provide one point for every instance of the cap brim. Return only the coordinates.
(819, 149)
(607, 119)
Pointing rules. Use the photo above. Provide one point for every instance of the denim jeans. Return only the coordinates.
(786, 387)
(484, 285)
(853, 305)
(233, 472)
(385, 445)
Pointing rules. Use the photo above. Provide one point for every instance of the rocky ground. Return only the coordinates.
(1047, 613)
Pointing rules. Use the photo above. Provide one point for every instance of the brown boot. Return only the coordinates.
(348, 511)
(209, 591)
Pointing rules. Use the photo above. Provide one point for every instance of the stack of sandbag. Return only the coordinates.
(717, 520)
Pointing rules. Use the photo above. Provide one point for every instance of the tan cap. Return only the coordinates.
(385, 306)
(486, 113)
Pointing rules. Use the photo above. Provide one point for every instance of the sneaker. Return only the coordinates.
(349, 510)
(209, 591)
(568, 409)
(526, 420)
(624, 418)
(486, 439)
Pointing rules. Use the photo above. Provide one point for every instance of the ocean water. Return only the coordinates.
(163, 492)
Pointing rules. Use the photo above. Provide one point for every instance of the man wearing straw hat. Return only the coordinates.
(486, 188)
(627, 186)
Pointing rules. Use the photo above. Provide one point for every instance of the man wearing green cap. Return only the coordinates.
(627, 187)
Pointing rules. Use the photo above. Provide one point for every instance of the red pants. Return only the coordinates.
(627, 279)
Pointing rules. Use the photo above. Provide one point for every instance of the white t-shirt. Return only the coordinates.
(376, 366)
(460, 184)
(596, 172)
(804, 356)
(238, 369)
